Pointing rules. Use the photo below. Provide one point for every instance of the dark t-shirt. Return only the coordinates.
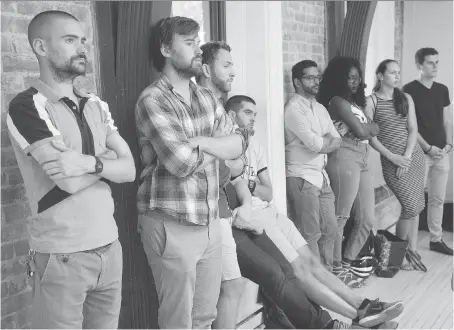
(429, 104)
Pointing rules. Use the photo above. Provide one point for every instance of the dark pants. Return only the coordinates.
(262, 262)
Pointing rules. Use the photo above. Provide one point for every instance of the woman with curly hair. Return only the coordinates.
(342, 93)
(402, 158)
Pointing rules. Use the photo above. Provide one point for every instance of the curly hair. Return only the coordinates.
(335, 81)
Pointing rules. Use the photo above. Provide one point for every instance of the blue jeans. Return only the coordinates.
(351, 181)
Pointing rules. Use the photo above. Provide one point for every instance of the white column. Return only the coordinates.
(254, 31)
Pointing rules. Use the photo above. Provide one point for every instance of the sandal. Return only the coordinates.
(407, 267)
(412, 258)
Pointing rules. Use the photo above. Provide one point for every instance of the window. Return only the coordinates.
(198, 11)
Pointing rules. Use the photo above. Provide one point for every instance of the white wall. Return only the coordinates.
(254, 31)
(379, 48)
(429, 24)
(257, 55)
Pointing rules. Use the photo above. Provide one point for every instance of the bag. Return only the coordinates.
(390, 251)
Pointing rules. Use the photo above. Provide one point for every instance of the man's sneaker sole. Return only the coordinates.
(386, 315)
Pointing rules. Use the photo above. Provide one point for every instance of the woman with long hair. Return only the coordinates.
(402, 158)
(342, 93)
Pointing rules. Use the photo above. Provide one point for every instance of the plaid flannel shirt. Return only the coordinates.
(169, 180)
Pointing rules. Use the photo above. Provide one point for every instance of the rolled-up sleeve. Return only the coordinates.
(297, 122)
(161, 126)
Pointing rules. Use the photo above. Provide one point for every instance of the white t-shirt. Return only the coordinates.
(255, 164)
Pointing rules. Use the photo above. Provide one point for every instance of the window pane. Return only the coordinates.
(198, 11)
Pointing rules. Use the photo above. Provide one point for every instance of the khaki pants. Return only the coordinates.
(437, 173)
(78, 290)
(186, 261)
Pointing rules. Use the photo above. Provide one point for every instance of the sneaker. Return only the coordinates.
(337, 270)
(375, 312)
(350, 279)
(342, 325)
(441, 247)
(364, 264)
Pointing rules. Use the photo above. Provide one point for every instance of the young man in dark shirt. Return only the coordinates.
(434, 116)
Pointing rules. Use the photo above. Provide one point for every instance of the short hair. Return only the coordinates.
(234, 103)
(210, 50)
(298, 69)
(162, 33)
(421, 54)
(35, 28)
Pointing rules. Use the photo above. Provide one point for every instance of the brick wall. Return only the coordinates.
(19, 67)
(303, 34)
(399, 32)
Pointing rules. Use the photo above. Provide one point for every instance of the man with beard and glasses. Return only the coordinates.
(68, 148)
(309, 136)
(183, 131)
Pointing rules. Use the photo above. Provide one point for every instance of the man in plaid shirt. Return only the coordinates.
(183, 131)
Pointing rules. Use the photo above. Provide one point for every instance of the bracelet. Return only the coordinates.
(428, 150)
(449, 144)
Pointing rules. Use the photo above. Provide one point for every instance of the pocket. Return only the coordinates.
(43, 262)
(154, 236)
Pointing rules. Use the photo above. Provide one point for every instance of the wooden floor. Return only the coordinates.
(428, 297)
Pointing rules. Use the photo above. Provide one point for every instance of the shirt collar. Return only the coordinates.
(167, 84)
(52, 95)
(305, 101)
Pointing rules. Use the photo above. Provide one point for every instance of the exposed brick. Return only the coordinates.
(29, 78)
(24, 318)
(14, 176)
(8, 157)
(16, 212)
(9, 6)
(8, 321)
(17, 284)
(11, 82)
(15, 24)
(6, 142)
(18, 63)
(20, 44)
(7, 252)
(32, 8)
(21, 248)
(6, 99)
(4, 290)
(82, 13)
(12, 194)
(15, 230)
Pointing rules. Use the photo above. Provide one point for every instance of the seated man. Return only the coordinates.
(318, 284)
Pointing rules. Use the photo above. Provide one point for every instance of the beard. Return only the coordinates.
(188, 70)
(72, 68)
(223, 86)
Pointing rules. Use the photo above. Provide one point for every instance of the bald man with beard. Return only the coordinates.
(68, 149)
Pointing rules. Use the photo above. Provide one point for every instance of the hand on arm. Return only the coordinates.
(343, 110)
(162, 127)
(224, 143)
(243, 214)
(299, 124)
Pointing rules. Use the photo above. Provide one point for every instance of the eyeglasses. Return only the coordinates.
(353, 79)
(312, 79)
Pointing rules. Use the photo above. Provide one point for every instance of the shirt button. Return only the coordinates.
(74, 108)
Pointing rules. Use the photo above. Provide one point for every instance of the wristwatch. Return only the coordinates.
(98, 166)
(251, 185)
